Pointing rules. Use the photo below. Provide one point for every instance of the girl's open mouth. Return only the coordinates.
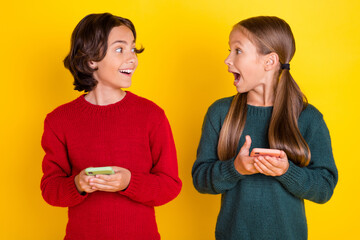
(236, 77)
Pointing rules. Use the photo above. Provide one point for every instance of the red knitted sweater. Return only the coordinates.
(133, 133)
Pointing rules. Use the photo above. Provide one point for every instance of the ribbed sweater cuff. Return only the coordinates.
(134, 185)
(292, 176)
(73, 195)
(229, 172)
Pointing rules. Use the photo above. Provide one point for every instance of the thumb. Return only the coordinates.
(245, 148)
(283, 154)
(116, 169)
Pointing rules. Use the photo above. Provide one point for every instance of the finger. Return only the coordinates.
(265, 166)
(95, 181)
(87, 188)
(84, 183)
(280, 165)
(110, 180)
(87, 179)
(262, 168)
(105, 177)
(91, 190)
(272, 162)
(117, 169)
(108, 187)
(101, 187)
(104, 180)
(249, 164)
(258, 168)
(245, 148)
(282, 154)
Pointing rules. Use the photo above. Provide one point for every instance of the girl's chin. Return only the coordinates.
(241, 89)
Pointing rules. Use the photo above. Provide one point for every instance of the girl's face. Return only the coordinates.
(117, 67)
(245, 63)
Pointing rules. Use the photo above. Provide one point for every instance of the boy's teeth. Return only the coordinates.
(126, 71)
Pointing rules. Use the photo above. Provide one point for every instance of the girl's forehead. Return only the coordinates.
(238, 36)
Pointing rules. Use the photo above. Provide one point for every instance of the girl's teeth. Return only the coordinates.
(236, 76)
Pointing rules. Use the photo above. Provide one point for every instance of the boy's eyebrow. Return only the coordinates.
(121, 41)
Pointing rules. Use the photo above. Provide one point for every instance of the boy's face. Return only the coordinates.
(117, 67)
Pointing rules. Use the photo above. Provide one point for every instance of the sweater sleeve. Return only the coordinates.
(210, 175)
(57, 184)
(162, 183)
(317, 181)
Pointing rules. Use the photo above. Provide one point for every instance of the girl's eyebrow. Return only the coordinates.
(121, 41)
(235, 42)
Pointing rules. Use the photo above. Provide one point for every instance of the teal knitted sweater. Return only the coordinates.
(258, 206)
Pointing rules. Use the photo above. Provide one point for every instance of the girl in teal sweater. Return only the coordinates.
(263, 197)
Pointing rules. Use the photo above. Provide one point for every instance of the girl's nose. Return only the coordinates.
(228, 61)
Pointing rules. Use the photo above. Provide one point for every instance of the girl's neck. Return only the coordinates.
(264, 94)
(102, 97)
(263, 97)
(258, 100)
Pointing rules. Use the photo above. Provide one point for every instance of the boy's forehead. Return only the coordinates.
(121, 34)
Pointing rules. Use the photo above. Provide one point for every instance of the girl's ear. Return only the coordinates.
(271, 61)
(93, 65)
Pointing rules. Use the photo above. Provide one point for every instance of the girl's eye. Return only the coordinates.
(133, 50)
(237, 51)
(119, 50)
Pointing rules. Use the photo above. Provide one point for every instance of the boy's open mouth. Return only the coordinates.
(126, 71)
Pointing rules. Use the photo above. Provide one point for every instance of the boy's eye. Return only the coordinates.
(119, 50)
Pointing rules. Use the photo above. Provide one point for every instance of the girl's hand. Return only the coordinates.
(272, 166)
(243, 163)
(82, 182)
(111, 183)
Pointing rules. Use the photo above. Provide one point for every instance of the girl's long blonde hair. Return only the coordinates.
(270, 34)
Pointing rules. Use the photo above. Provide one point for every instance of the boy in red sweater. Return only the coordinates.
(108, 127)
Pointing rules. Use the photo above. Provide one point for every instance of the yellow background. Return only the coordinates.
(182, 70)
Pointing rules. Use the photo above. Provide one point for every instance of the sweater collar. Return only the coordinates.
(259, 111)
(120, 105)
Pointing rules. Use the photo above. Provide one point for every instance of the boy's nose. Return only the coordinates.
(132, 58)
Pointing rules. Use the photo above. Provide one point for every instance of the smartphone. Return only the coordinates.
(265, 152)
(92, 171)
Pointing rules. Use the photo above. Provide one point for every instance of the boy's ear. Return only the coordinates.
(93, 65)
(271, 61)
